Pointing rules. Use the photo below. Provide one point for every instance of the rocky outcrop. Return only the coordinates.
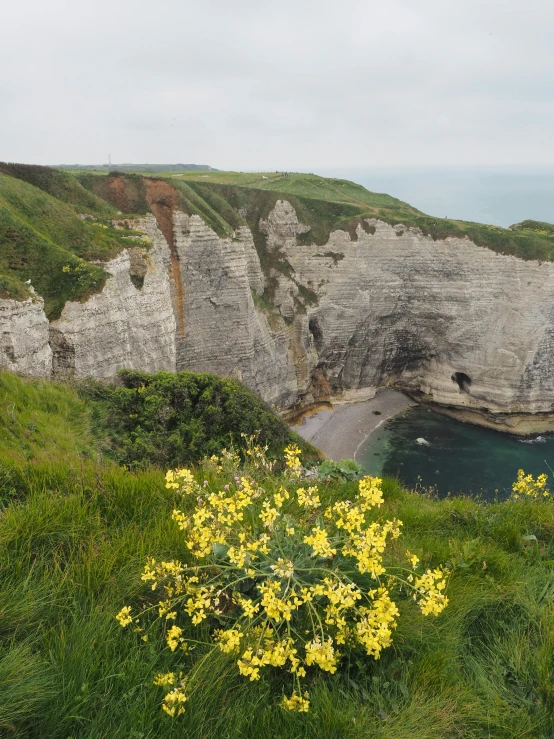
(224, 332)
(455, 324)
(125, 325)
(24, 346)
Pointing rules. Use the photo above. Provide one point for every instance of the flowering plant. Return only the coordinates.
(526, 486)
(282, 579)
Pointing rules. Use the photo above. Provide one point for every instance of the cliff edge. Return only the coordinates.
(307, 300)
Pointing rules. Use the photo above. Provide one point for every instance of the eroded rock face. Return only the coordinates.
(454, 323)
(124, 325)
(224, 332)
(24, 346)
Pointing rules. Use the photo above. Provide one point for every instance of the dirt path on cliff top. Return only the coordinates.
(340, 432)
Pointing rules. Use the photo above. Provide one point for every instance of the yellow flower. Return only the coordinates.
(268, 514)
(292, 459)
(249, 608)
(124, 616)
(228, 640)
(164, 680)
(173, 703)
(249, 665)
(280, 497)
(283, 568)
(526, 485)
(374, 629)
(308, 498)
(296, 703)
(320, 544)
(173, 637)
(370, 492)
(238, 538)
(429, 587)
(322, 654)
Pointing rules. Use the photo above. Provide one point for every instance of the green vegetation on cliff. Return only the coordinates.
(40, 231)
(60, 185)
(325, 204)
(42, 239)
(75, 532)
(172, 419)
(140, 420)
(321, 196)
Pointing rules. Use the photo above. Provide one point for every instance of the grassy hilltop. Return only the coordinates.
(76, 528)
(43, 237)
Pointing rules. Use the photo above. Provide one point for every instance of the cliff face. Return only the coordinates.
(124, 325)
(223, 332)
(24, 343)
(454, 323)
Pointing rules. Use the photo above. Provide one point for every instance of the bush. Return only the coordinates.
(169, 420)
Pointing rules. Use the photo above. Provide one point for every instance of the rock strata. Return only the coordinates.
(24, 346)
(452, 323)
(124, 325)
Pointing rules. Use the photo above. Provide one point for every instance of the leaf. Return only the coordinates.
(220, 550)
(404, 689)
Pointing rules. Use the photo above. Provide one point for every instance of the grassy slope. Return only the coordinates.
(327, 203)
(73, 539)
(60, 185)
(40, 235)
(527, 243)
(43, 421)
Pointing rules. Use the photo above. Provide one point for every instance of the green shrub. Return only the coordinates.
(169, 419)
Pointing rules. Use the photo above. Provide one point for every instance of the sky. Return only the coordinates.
(294, 84)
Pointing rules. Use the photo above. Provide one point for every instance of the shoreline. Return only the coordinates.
(341, 431)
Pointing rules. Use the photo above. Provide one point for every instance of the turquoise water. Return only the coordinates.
(460, 458)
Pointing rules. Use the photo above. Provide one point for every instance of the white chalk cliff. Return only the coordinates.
(453, 323)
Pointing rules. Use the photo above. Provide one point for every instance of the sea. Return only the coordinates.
(451, 457)
(500, 196)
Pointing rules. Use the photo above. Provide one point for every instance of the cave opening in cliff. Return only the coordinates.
(463, 381)
(316, 332)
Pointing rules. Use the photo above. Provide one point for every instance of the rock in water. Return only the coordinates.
(422, 441)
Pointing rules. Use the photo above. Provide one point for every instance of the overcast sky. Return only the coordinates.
(286, 84)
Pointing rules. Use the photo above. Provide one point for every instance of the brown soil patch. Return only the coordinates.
(117, 194)
(162, 199)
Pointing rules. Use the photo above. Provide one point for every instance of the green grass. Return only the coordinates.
(40, 236)
(60, 185)
(73, 542)
(75, 530)
(44, 421)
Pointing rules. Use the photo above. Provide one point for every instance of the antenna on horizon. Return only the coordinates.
(109, 159)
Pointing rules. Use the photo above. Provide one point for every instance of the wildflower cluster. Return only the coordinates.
(280, 579)
(527, 487)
